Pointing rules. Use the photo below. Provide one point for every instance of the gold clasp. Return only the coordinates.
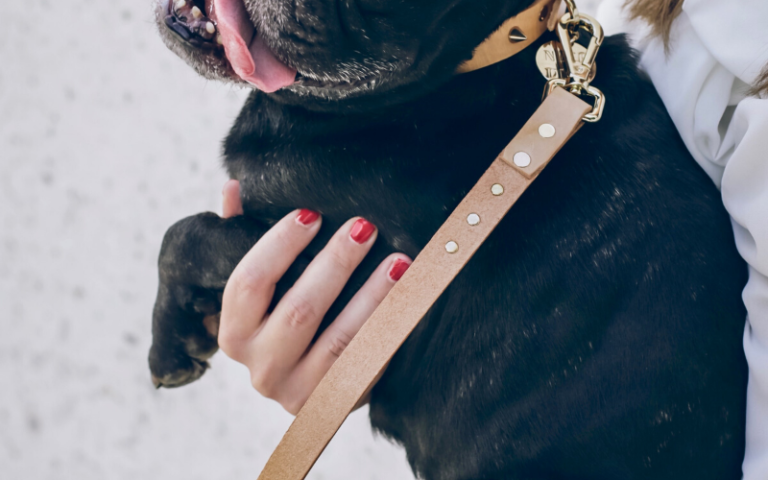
(570, 5)
(572, 29)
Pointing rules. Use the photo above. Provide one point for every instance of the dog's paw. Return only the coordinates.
(197, 257)
(182, 373)
(185, 327)
(182, 362)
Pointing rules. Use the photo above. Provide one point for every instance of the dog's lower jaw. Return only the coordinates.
(336, 91)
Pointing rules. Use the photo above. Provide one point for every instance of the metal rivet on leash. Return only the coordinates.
(516, 35)
(497, 189)
(522, 159)
(546, 130)
(473, 219)
(451, 247)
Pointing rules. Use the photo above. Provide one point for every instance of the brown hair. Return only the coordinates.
(761, 87)
(660, 14)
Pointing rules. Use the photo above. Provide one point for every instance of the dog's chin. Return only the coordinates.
(340, 90)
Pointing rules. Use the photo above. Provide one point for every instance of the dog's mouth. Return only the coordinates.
(215, 24)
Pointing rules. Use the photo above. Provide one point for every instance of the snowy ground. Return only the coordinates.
(106, 139)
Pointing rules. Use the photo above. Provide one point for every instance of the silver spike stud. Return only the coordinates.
(516, 35)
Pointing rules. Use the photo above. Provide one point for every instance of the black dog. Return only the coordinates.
(595, 335)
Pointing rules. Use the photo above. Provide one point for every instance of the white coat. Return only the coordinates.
(718, 49)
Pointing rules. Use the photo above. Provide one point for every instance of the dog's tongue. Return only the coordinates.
(246, 51)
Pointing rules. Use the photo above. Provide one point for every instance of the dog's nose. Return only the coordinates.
(188, 21)
(156, 382)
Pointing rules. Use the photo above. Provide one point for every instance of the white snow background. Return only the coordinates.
(106, 139)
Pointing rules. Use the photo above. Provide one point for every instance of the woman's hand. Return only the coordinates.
(276, 347)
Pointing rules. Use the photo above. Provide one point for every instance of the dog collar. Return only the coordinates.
(515, 34)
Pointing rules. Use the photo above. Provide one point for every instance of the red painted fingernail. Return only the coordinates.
(361, 230)
(398, 269)
(307, 217)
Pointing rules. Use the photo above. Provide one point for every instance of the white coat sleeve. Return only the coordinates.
(745, 194)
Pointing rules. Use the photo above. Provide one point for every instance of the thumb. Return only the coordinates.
(232, 206)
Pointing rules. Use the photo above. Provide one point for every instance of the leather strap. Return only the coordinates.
(514, 35)
(366, 357)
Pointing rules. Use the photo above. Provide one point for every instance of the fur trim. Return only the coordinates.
(661, 14)
(760, 89)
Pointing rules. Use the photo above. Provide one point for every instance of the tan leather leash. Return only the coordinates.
(351, 377)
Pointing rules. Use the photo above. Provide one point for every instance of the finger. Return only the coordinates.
(337, 336)
(293, 323)
(249, 289)
(232, 206)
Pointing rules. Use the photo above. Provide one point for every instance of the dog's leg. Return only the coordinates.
(197, 257)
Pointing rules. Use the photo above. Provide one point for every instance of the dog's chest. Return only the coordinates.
(394, 182)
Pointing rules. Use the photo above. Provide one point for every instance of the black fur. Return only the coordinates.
(595, 335)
